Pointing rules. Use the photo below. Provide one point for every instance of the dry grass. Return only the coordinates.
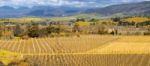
(56, 45)
(126, 45)
(92, 50)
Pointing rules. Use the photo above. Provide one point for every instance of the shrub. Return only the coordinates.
(43, 32)
(53, 29)
(34, 31)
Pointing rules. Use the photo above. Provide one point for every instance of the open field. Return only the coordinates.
(91, 50)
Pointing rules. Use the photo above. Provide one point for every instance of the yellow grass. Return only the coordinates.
(83, 23)
(84, 45)
(126, 45)
(137, 19)
(88, 50)
(7, 57)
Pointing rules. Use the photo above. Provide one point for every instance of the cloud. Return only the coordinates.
(77, 3)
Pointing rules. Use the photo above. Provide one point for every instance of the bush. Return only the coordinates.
(43, 32)
(53, 29)
(34, 31)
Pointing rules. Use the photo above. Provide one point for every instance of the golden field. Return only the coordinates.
(87, 50)
(137, 19)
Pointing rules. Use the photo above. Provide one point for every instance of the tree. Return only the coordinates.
(80, 19)
(34, 31)
(116, 19)
(1, 30)
(18, 31)
(93, 20)
(101, 29)
(43, 32)
(53, 29)
(76, 29)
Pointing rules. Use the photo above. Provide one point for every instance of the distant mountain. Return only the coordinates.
(130, 9)
(39, 11)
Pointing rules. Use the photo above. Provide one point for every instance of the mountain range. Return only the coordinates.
(38, 11)
(129, 9)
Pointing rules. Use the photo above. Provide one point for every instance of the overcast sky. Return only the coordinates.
(77, 3)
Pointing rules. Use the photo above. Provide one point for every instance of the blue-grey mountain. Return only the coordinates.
(129, 9)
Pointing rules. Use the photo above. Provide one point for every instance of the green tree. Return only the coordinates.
(54, 29)
(34, 31)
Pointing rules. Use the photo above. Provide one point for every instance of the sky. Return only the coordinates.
(76, 3)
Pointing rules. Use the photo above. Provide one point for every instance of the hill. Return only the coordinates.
(130, 9)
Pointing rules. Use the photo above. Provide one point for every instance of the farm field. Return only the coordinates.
(126, 45)
(56, 45)
(87, 50)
